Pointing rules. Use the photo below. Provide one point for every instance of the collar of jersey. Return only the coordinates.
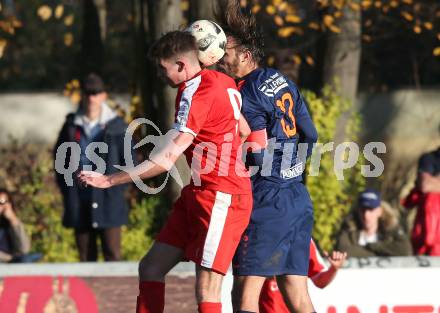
(245, 77)
(190, 81)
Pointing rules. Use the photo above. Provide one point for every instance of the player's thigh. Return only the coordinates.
(295, 293)
(217, 221)
(175, 232)
(159, 261)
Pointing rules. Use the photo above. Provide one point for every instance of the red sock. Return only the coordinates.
(210, 307)
(151, 297)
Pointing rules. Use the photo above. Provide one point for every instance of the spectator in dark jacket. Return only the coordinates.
(373, 230)
(93, 212)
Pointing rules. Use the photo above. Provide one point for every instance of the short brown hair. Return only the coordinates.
(172, 44)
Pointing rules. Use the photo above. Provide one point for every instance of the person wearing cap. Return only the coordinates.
(373, 229)
(95, 213)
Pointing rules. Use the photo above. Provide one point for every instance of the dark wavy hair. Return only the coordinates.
(3, 221)
(242, 26)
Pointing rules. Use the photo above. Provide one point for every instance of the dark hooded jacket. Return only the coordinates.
(106, 207)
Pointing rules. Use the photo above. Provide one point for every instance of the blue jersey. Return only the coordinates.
(274, 103)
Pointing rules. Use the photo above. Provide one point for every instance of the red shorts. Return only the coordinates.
(207, 225)
(271, 299)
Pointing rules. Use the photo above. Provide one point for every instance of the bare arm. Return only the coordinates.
(336, 260)
(21, 242)
(243, 128)
(162, 161)
(5, 257)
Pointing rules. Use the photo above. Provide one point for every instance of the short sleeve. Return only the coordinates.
(300, 110)
(316, 263)
(253, 109)
(193, 108)
(306, 128)
(302, 115)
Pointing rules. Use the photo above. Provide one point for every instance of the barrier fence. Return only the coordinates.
(365, 285)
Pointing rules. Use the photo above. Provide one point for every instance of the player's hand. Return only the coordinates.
(7, 211)
(94, 179)
(336, 258)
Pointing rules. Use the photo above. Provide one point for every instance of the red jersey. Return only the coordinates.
(208, 107)
(316, 263)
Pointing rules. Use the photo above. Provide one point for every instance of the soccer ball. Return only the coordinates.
(211, 40)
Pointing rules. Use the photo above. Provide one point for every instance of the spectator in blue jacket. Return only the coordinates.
(95, 213)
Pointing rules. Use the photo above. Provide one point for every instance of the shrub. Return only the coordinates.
(27, 171)
(332, 199)
(138, 235)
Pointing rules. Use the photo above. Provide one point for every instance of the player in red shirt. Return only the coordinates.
(208, 219)
(271, 299)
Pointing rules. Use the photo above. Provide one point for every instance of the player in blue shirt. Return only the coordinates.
(276, 242)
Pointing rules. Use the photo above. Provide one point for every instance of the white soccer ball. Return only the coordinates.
(211, 40)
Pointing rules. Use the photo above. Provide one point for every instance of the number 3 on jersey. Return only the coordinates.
(286, 98)
(235, 98)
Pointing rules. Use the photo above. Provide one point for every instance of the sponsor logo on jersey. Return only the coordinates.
(182, 115)
(273, 84)
(293, 172)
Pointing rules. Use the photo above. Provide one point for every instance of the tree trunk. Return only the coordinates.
(343, 54)
(202, 9)
(93, 34)
(164, 16)
(283, 61)
(102, 17)
(142, 73)
(342, 60)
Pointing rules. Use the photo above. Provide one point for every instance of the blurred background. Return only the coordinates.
(368, 69)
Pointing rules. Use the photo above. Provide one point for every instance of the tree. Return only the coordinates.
(93, 35)
(343, 52)
(401, 44)
(142, 91)
(165, 16)
(408, 26)
(342, 57)
(38, 42)
(8, 25)
(202, 9)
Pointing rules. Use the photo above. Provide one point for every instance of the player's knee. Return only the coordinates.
(208, 291)
(149, 271)
(305, 306)
(301, 302)
(235, 298)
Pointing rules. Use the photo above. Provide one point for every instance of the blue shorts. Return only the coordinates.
(277, 240)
